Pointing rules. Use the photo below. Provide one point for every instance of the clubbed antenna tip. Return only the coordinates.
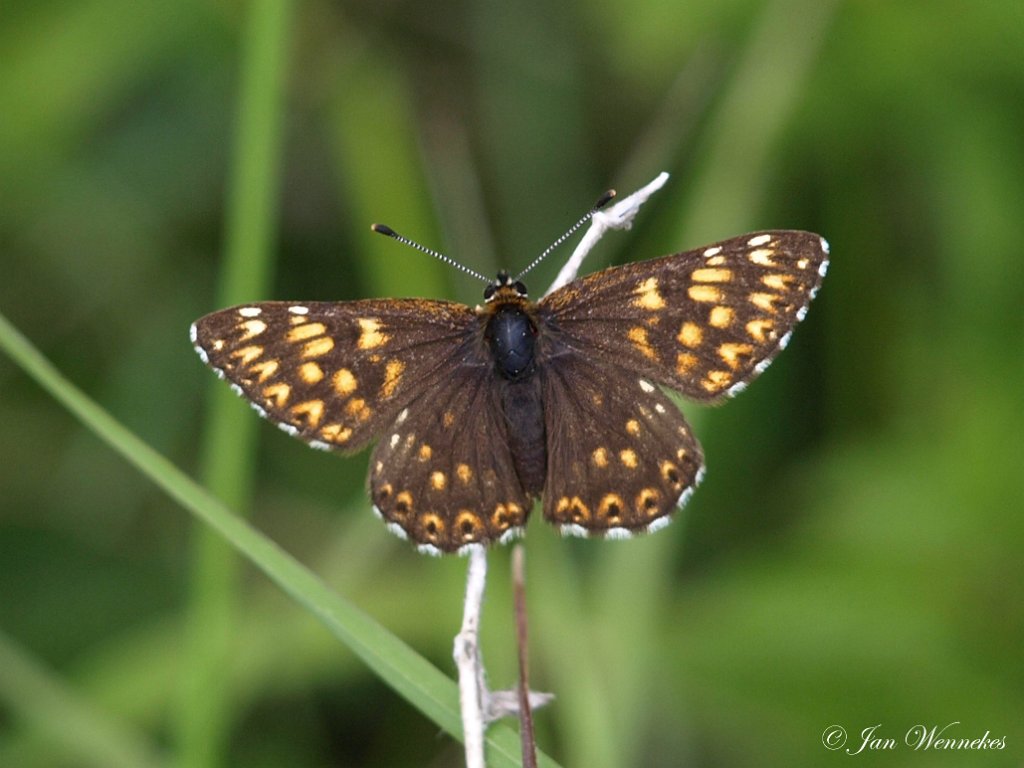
(604, 199)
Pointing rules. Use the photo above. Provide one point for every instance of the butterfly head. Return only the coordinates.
(504, 288)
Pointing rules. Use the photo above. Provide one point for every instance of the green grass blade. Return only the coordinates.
(408, 673)
(229, 444)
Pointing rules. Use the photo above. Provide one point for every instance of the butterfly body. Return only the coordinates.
(480, 411)
(511, 330)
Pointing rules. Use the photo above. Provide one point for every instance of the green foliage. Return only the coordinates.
(854, 554)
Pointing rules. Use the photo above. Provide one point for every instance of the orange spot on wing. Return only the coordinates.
(685, 362)
(310, 373)
(358, 409)
(336, 433)
(704, 293)
(251, 328)
(312, 410)
(278, 393)
(306, 331)
(647, 296)
(721, 317)
(716, 381)
(265, 369)
(392, 377)
(246, 355)
(638, 337)
(690, 335)
(712, 275)
(762, 329)
(731, 353)
(370, 334)
(764, 301)
(318, 347)
(344, 382)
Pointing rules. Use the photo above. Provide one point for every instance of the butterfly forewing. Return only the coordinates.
(333, 374)
(703, 322)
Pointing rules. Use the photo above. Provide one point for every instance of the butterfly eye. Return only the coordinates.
(520, 288)
(489, 292)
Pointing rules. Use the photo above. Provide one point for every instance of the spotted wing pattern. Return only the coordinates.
(616, 455)
(621, 457)
(334, 374)
(705, 322)
(443, 474)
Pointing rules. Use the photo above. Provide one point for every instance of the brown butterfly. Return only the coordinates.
(480, 411)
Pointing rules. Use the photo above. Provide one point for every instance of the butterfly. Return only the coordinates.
(479, 411)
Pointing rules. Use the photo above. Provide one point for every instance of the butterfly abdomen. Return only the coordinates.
(524, 416)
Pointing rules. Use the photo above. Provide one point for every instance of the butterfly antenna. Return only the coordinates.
(384, 229)
(602, 201)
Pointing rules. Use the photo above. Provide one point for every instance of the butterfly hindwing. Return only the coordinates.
(333, 374)
(621, 457)
(443, 473)
(705, 322)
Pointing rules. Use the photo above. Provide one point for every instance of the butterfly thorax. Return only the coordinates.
(510, 330)
(512, 337)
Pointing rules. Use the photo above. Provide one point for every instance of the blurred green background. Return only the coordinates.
(854, 556)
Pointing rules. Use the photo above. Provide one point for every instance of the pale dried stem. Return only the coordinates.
(618, 216)
(472, 685)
